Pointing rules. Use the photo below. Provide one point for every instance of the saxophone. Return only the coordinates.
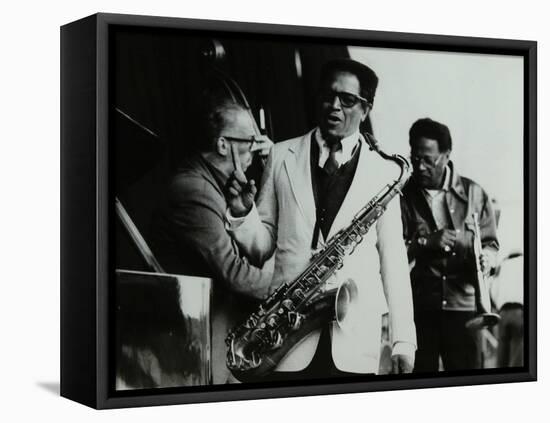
(298, 307)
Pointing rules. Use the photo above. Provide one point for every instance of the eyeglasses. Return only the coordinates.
(346, 99)
(427, 161)
(250, 140)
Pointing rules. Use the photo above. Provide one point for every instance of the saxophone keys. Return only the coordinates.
(272, 320)
(294, 320)
(299, 294)
(251, 322)
(288, 304)
(255, 360)
(278, 339)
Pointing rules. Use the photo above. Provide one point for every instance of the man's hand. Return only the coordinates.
(401, 364)
(487, 261)
(240, 191)
(262, 146)
(443, 239)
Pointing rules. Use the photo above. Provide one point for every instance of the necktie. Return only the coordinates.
(331, 165)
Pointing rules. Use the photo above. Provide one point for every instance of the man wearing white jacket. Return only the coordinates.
(313, 186)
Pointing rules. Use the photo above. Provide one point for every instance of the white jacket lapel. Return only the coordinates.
(362, 189)
(297, 165)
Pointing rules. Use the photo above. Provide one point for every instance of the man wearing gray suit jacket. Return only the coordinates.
(190, 236)
(313, 186)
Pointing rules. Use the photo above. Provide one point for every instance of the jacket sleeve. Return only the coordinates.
(256, 235)
(479, 202)
(394, 270)
(197, 211)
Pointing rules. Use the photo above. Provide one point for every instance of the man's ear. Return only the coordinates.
(222, 146)
(447, 156)
(366, 110)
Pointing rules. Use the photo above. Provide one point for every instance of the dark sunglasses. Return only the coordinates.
(346, 99)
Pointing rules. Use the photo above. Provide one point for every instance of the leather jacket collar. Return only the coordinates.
(457, 185)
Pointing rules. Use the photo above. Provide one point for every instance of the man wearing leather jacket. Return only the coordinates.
(437, 211)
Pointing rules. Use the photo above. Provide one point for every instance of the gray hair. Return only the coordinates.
(218, 116)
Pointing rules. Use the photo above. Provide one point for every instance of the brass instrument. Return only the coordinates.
(484, 317)
(300, 306)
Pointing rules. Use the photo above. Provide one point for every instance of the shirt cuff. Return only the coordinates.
(403, 348)
(232, 223)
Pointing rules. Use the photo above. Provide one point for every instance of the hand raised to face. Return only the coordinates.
(240, 192)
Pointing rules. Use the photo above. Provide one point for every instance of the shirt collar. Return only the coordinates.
(456, 184)
(348, 145)
(446, 184)
(447, 179)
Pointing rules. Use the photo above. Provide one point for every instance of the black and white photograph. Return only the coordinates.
(322, 212)
(307, 211)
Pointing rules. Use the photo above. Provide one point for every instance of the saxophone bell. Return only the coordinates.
(346, 308)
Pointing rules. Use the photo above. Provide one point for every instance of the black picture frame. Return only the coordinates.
(87, 214)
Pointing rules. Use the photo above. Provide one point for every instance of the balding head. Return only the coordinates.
(223, 118)
(229, 134)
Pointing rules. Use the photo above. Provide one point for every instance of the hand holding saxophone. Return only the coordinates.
(240, 190)
(487, 261)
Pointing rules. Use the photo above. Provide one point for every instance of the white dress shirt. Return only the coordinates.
(343, 155)
(436, 200)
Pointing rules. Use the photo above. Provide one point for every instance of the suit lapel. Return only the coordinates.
(359, 192)
(297, 166)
